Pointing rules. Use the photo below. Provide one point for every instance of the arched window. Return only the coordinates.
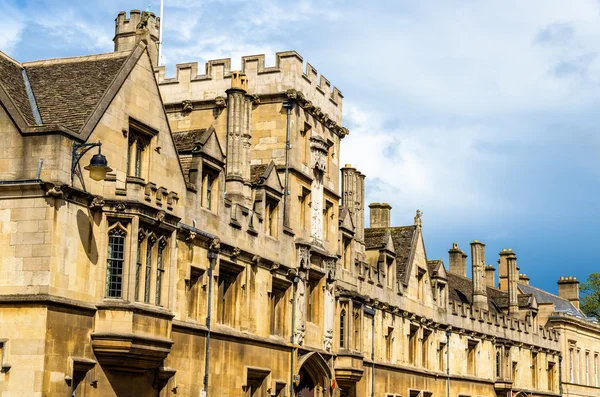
(148, 274)
(343, 329)
(115, 262)
(160, 268)
(138, 263)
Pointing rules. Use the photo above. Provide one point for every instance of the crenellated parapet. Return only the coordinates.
(288, 73)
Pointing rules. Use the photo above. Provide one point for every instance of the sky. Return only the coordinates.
(483, 115)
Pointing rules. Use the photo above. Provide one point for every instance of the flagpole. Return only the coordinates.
(160, 33)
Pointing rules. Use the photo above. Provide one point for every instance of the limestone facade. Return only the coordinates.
(226, 252)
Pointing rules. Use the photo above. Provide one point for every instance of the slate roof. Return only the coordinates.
(560, 304)
(11, 79)
(185, 140)
(461, 289)
(432, 266)
(68, 90)
(375, 238)
(257, 171)
(402, 238)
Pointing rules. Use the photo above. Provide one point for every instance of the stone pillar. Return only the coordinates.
(568, 288)
(353, 198)
(379, 214)
(513, 279)
(458, 263)
(478, 275)
(490, 276)
(237, 168)
(318, 150)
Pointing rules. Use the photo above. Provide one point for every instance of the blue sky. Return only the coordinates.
(484, 115)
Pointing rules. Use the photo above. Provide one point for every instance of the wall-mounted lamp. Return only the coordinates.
(98, 166)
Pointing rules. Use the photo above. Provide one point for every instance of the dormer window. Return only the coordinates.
(138, 157)
(271, 217)
(210, 179)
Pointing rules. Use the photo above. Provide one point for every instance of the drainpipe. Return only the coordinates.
(295, 287)
(212, 256)
(371, 311)
(288, 106)
(448, 333)
(560, 382)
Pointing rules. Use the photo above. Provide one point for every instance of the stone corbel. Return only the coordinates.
(186, 106)
(97, 203)
(220, 102)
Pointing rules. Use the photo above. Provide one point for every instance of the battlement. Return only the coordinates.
(288, 73)
(128, 26)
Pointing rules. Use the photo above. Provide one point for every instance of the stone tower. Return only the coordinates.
(140, 26)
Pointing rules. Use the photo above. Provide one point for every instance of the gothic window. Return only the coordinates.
(160, 270)
(148, 268)
(138, 264)
(343, 329)
(115, 262)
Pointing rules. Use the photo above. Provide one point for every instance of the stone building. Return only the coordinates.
(222, 251)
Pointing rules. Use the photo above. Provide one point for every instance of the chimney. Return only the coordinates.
(513, 278)
(140, 26)
(490, 276)
(353, 197)
(379, 214)
(524, 279)
(458, 260)
(478, 274)
(503, 269)
(568, 288)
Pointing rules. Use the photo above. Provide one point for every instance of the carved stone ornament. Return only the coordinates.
(144, 20)
(256, 260)
(275, 266)
(291, 93)
(191, 236)
(303, 256)
(215, 244)
(255, 99)
(235, 253)
(299, 335)
(160, 216)
(187, 106)
(55, 191)
(97, 202)
(328, 340)
(418, 221)
(220, 102)
(120, 206)
(331, 268)
(318, 148)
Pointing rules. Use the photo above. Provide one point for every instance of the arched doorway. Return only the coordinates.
(315, 376)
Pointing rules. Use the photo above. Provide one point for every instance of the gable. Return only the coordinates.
(346, 221)
(211, 145)
(12, 84)
(271, 178)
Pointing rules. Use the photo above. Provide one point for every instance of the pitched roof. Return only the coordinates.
(560, 304)
(375, 238)
(68, 90)
(460, 289)
(432, 266)
(257, 171)
(11, 79)
(185, 140)
(402, 238)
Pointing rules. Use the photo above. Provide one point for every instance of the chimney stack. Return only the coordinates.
(140, 26)
(490, 276)
(478, 274)
(379, 214)
(513, 279)
(503, 269)
(458, 260)
(568, 288)
(524, 279)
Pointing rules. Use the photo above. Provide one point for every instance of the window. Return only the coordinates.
(160, 269)
(195, 293)
(498, 363)
(305, 208)
(390, 271)
(135, 153)
(271, 217)
(389, 344)
(596, 369)
(471, 357)
(327, 218)
(534, 377)
(209, 188)
(421, 284)
(343, 329)
(306, 133)
(148, 274)
(115, 262)
(578, 366)
(312, 293)
(346, 254)
(357, 325)
(256, 382)
(550, 376)
(412, 344)
(425, 349)
(571, 369)
(278, 305)
(587, 368)
(514, 372)
(441, 295)
(227, 293)
(441, 357)
(330, 154)
(138, 264)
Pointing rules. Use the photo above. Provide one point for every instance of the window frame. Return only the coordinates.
(116, 228)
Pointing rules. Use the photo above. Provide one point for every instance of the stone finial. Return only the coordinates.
(418, 220)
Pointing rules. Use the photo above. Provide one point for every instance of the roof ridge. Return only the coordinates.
(467, 278)
(82, 58)
(543, 290)
(9, 58)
